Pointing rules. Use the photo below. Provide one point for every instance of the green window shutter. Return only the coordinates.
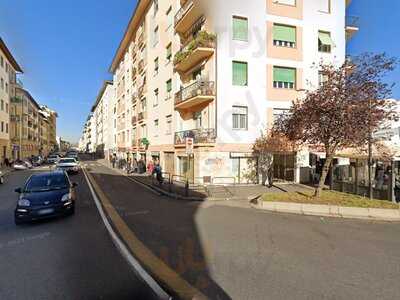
(239, 70)
(240, 29)
(169, 85)
(284, 74)
(284, 33)
(325, 38)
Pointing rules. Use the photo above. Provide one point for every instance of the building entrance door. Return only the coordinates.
(186, 168)
(169, 165)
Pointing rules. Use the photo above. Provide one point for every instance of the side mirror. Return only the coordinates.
(18, 190)
(74, 184)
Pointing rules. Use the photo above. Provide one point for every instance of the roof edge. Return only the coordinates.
(10, 57)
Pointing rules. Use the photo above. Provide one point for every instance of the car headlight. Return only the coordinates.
(24, 203)
(66, 197)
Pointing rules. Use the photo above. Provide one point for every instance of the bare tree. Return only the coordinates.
(344, 111)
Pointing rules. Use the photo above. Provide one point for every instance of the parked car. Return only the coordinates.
(45, 195)
(52, 159)
(37, 160)
(22, 165)
(1, 177)
(69, 165)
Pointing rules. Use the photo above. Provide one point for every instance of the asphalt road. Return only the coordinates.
(237, 253)
(66, 258)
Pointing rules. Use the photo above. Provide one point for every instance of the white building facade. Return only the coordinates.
(215, 74)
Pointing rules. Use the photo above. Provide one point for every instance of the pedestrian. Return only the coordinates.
(158, 172)
(150, 167)
(135, 166)
(113, 161)
(128, 165)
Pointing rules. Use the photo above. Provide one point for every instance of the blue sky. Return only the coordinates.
(66, 47)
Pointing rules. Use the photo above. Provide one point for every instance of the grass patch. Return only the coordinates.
(331, 198)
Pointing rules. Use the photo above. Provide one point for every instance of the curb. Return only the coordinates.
(172, 195)
(376, 214)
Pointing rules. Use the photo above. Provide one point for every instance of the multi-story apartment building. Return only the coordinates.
(103, 112)
(217, 73)
(8, 69)
(25, 123)
(47, 130)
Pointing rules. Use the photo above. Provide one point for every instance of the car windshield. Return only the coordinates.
(67, 161)
(44, 183)
(52, 156)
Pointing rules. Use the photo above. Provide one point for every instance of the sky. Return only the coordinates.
(66, 47)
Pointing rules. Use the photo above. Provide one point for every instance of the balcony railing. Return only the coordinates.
(182, 11)
(134, 120)
(199, 88)
(200, 136)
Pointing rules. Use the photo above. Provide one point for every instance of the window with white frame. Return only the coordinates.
(324, 6)
(284, 35)
(197, 117)
(156, 127)
(325, 42)
(155, 36)
(170, 17)
(322, 78)
(155, 97)
(284, 78)
(240, 117)
(169, 124)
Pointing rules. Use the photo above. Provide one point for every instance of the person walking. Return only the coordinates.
(157, 170)
(113, 161)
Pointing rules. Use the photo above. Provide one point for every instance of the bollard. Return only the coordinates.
(170, 184)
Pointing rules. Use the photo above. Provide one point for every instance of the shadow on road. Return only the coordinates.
(167, 227)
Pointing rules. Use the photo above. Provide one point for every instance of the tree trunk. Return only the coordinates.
(322, 179)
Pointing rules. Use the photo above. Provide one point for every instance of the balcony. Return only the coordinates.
(199, 49)
(189, 13)
(142, 116)
(197, 93)
(352, 26)
(200, 136)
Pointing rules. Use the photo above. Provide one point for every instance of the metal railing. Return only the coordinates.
(200, 136)
(182, 11)
(199, 88)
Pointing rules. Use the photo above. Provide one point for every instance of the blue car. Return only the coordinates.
(45, 195)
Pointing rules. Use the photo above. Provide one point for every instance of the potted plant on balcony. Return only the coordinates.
(145, 142)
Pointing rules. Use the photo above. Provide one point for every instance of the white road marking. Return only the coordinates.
(124, 250)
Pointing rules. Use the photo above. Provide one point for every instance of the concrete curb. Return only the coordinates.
(377, 214)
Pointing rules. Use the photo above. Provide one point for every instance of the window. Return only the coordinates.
(324, 6)
(170, 18)
(156, 127)
(240, 29)
(169, 125)
(169, 52)
(239, 118)
(6, 87)
(155, 97)
(6, 127)
(284, 78)
(198, 120)
(2, 83)
(155, 3)
(322, 78)
(286, 2)
(239, 71)
(2, 126)
(156, 66)
(324, 42)
(2, 105)
(155, 36)
(2, 61)
(284, 36)
(6, 107)
(143, 105)
(143, 131)
(169, 88)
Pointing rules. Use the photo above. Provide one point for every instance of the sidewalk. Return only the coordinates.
(204, 193)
